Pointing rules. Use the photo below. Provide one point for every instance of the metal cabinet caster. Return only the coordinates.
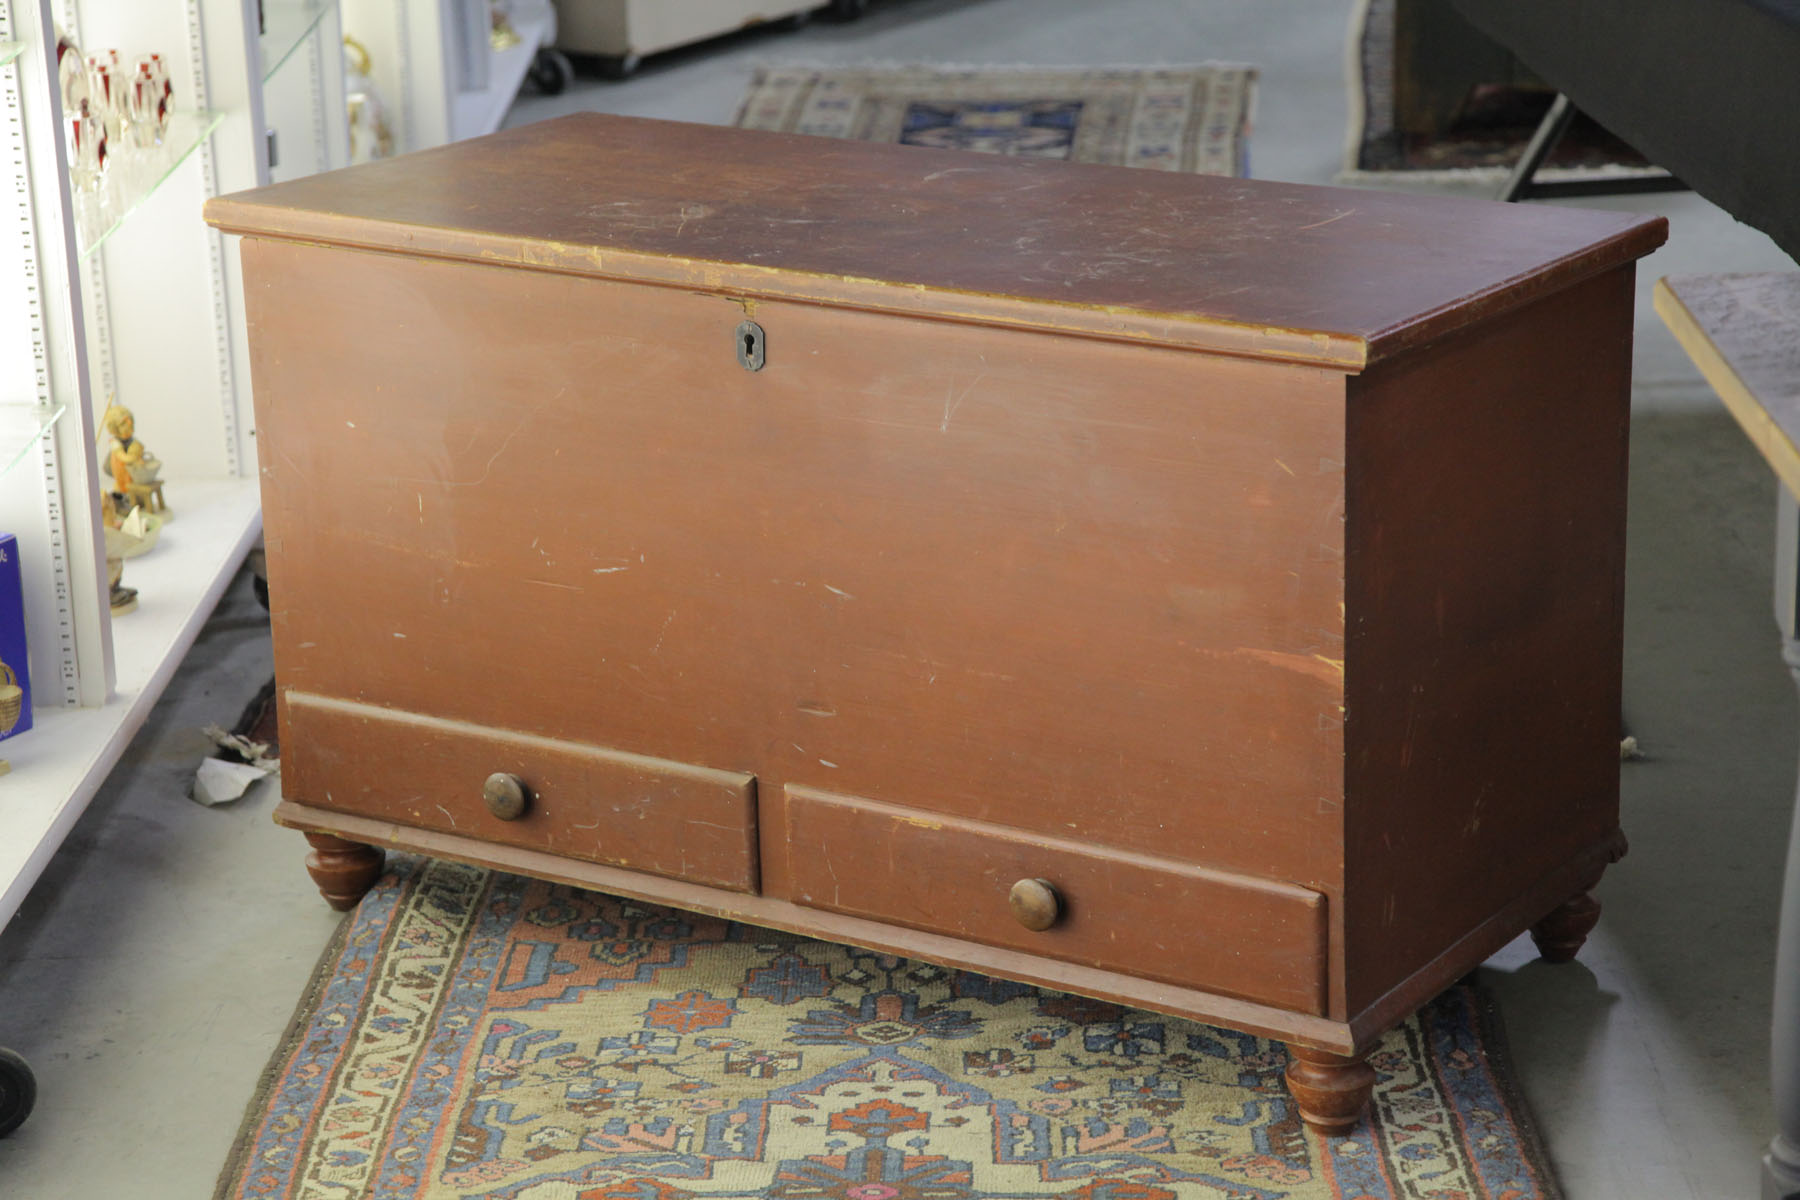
(551, 72)
(18, 1091)
(618, 67)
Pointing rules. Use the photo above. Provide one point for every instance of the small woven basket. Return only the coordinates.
(12, 699)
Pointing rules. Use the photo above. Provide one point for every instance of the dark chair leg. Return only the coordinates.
(1522, 185)
(1549, 132)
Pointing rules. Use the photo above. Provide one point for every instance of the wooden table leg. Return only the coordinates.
(344, 871)
(1781, 1165)
(1332, 1091)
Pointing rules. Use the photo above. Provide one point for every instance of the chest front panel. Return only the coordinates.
(1086, 588)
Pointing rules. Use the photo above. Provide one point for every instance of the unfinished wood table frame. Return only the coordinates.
(1743, 332)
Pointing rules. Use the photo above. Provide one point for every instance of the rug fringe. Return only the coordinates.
(807, 64)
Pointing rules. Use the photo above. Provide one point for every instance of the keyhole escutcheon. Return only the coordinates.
(752, 346)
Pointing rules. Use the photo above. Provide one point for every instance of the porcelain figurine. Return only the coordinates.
(371, 133)
(136, 473)
(120, 598)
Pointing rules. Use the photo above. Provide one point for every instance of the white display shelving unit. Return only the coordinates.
(303, 87)
(127, 292)
(434, 64)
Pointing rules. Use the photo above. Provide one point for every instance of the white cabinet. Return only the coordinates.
(438, 67)
(124, 290)
(303, 87)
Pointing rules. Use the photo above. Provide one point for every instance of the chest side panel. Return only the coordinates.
(1060, 584)
(1486, 598)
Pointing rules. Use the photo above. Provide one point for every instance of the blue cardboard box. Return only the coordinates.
(15, 666)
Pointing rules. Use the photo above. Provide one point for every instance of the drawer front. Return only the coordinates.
(1229, 934)
(604, 806)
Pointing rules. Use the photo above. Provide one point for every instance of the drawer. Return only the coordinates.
(604, 806)
(1229, 934)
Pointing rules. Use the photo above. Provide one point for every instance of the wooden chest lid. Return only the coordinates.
(1328, 276)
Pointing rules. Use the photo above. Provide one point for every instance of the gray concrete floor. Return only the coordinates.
(153, 968)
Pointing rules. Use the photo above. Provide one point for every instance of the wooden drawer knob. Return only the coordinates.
(506, 795)
(1035, 903)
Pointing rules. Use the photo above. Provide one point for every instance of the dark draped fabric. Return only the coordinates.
(1709, 89)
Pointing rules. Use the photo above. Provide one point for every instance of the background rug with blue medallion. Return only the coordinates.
(481, 1035)
(1194, 119)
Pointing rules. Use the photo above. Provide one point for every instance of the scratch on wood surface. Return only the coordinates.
(825, 762)
(400, 635)
(448, 815)
(609, 570)
(1349, 212)
(291, 464)
(495, 457)
(839, 592)
(951, 405)
(1285, 467)
(1328, 670)
(662, 633)
(567, 587)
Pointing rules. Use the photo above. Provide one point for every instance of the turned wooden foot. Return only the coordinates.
(1560, 935)
(1331, 1091)
(344, 871)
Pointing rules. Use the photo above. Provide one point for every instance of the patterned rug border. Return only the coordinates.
(322, 973)
(1491, 1027)
(1484, 1006)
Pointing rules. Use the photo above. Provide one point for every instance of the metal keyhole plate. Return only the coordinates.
(751, 348)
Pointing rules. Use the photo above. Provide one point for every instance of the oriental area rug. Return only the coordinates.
(1481, 145)
(481, 1036)
(1194, 119)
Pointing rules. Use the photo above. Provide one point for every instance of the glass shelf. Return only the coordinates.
(10, 51)
(287, 24)
(134, 174)
(21, 427)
